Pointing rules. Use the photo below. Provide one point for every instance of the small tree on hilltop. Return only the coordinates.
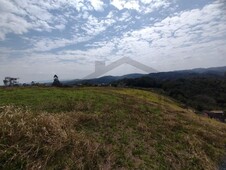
(56, 81)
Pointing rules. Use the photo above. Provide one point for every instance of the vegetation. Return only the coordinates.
(104, 128)
(199, 92)
(56, 81)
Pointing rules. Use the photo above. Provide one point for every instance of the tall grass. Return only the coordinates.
(101, 128)
(41, 140)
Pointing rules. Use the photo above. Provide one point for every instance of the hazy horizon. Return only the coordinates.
(41, 38)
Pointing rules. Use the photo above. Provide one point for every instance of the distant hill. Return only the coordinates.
(219, 70)
(214, 71)
(102, 80)
(207, 72)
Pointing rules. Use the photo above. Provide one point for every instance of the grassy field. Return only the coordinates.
(104, 128)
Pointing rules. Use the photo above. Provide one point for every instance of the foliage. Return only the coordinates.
(56, 81)
(200, 92)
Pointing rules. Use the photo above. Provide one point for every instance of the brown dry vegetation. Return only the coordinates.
(109, 129)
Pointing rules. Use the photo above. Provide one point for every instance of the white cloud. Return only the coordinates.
(142, 6)
(119, 4)
(60, 27)
(147, 1)
(132, 5)
(125, 16)
(168, 42)
(19, 17)
(92, 27)
(49, 44)
(98, 5)
(14, 17)
(12, 23)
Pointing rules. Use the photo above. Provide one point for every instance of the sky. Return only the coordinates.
(65, 37)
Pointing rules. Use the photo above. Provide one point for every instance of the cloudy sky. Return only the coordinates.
(41, 38)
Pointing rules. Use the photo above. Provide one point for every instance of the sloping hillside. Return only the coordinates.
(104, 128)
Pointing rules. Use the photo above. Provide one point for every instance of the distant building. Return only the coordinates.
(216, 114)
(10, 81)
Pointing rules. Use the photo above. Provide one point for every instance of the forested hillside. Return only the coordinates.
(203, 92)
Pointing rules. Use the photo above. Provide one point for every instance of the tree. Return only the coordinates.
(5, 82)
(56, 81)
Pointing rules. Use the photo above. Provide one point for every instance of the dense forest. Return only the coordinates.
(200, 91)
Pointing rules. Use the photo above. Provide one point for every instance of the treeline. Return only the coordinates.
(202, 92)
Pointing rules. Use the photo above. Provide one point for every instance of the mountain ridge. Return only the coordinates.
(216, 71)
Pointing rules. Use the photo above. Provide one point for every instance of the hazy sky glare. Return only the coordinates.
(41, 38)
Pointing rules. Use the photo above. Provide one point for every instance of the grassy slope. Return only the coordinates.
(101, 128)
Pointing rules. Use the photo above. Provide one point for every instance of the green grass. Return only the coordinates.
(56, 100)
(104, 128)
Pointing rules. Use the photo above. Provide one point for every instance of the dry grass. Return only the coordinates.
(38, 141)
(132, 133)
